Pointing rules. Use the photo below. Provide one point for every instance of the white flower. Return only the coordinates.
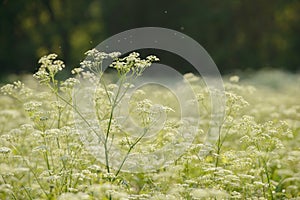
(133, 63)
(86, 64)
(49, 66)
(70, 82)
(7, 89)
(76, 70)
(114, 55)
(234, 79)
(32, 105)
(152, 58)
(45, 59)
(5, 150)
(91, 52)
(42, 76)
(190, 77)
(95, 168)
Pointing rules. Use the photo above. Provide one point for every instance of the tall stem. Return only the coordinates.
(219, 145)
(114, 104)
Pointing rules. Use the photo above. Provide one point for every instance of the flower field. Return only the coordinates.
(69, 139)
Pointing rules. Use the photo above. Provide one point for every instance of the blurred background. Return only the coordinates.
(238, 34)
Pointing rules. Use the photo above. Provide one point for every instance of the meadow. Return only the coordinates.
(71, 139)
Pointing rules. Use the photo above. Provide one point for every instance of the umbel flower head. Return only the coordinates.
(133, 63)
(49, 67)
(94, 60)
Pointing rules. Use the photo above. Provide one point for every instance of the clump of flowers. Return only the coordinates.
(43, 156)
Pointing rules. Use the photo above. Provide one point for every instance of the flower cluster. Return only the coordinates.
(94, 61)
(133, 63)
(17, 90)
(42, 155)
(48, 69)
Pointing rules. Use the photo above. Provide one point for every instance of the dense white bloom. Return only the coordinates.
(133, 63)
(5, 150)
(41, 155)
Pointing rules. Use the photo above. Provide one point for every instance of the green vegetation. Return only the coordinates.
(42, 155)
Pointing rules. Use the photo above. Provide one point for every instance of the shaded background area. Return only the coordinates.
(237, 34)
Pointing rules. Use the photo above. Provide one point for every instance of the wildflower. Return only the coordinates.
(234, 79)
(7, 89)
(133, 56)
(16, 90)
(32, 106)
(200, 193)
(57, 105)
(128, 85)
(152, 58)
(167, 109)
(49, 67)
(109, 176)
(5, 150)
(114, 55)
(70, 82)
(42, 76)
(112, 86)
(91, 52)
(95, 168)
(49, 63)
(97, 56)
(6, 188)
(133, 63)
(190, 77)
(76, 70)
(91, 77)
(121, 67)
(85, 64)
(53, 132)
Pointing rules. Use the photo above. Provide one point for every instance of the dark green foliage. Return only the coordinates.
(237, 34)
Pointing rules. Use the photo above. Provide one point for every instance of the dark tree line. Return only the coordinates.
(238, 34)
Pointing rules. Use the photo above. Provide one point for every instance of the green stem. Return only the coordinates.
(129, 150)
(46, 157)
(114, 104)
(106, 139)
(76, 110)
(28, 194)
(219, 145)
(268, 178)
